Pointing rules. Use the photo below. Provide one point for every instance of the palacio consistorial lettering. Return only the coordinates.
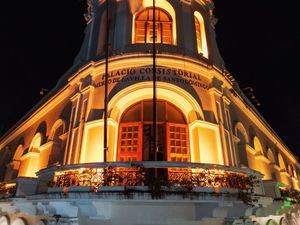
(147, 128)
(145, 74)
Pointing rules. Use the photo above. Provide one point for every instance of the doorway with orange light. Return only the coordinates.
(136, 130)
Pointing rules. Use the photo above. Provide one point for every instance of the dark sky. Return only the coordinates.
(259, 41)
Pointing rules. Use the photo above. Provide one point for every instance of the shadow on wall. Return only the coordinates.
(65, 114)
(42, 129)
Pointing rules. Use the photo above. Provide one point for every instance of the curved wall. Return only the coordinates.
(222, 125)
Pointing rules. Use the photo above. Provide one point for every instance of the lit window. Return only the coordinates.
(144, 29)
(200, 35)
(257, 145)
(177, 142)
(130, 143)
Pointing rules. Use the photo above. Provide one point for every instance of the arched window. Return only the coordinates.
(36, 143)
(14, 167)
(144, 29)
(30, 159)
(57, 130)
(282, 163)
(242, 135)
(270, 156)
(200, 35)
(57, 151)
(135, 139)
(290, 170)
(295, 173)
(257, 145)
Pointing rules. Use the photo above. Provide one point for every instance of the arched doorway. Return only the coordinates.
(57, 151)
(242, 136)
(135, 133)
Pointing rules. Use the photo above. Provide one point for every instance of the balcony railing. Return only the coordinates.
(7, 190)
(170, 175)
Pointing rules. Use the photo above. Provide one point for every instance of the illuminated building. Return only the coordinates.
(216, 159)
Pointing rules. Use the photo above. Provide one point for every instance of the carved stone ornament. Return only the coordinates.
(91, 8)
(213, 20)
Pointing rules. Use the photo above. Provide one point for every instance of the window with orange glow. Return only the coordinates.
(198, 34)
(144, 29)
(130, 142)
(135, 133)
(177, 142)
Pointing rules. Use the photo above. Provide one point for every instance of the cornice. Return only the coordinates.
(226, 100)
(87, 89)
(214, 90)
(133, 59)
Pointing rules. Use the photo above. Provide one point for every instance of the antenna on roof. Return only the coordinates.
(249, 92)
(43, 91)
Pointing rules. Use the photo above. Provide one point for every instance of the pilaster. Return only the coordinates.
(218, 108)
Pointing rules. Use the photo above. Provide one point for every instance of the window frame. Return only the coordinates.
(160, 32)
(203, 49)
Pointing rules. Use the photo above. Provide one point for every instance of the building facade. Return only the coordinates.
(217, 160)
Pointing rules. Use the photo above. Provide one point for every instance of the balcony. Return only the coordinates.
(147, 177)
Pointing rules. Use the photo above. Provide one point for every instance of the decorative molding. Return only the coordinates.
(216, 91)
(213, 20)
(226, 100)
(87, 89)
(92, 6)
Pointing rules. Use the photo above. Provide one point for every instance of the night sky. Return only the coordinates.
(259, 41)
